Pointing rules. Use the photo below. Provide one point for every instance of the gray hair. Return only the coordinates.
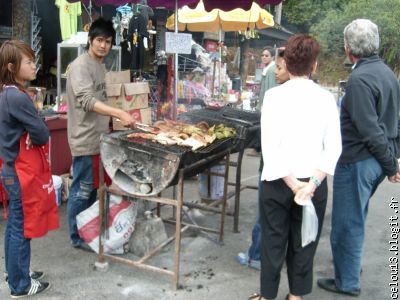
(361, 38)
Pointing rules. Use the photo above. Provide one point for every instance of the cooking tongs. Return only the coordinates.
(147, 128)
(141, 126)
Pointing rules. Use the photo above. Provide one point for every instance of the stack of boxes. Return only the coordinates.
(132, 97)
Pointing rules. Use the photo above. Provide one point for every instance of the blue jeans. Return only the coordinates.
(353, 186)
(82, 194)
(255, 247)
(17, 248)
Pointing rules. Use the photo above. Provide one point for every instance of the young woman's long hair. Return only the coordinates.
(11, 53)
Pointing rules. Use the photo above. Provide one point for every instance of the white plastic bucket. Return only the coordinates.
(216, 184)
(57, 181)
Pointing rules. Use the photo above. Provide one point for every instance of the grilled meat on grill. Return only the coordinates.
(183, 134)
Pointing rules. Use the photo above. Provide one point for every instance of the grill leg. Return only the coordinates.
(225, 197)
(178, 225)
(237, 192)
(159, 206)
(174, 197)
(101, 259)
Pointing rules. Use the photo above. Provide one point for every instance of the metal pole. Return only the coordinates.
(220, 62)
(278, 13)
(175, 101)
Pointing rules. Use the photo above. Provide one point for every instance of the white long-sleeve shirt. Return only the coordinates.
(300, 130)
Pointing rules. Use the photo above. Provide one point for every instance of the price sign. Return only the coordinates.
(178, 43)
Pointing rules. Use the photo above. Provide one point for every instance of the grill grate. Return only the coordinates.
(252, 118)
(202, 115)
(247, 124)
(173, 149)
(233, 116)
(217, 145)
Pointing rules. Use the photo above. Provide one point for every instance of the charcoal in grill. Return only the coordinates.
(136, 171)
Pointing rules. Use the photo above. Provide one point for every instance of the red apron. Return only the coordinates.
(3, 195)
(38, 195)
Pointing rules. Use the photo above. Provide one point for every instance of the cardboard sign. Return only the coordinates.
(178, 43)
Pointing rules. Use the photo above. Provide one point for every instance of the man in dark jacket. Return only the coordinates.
(369, 124)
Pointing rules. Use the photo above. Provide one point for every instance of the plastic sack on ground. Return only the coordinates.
(121, 224)
(309, 225)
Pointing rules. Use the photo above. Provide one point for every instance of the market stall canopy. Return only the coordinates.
(170, 4)
(227, 5)
(198, 19)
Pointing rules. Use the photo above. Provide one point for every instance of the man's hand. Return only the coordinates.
(395, 178)
(126, 119)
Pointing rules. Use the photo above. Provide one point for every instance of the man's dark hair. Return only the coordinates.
(101, 27)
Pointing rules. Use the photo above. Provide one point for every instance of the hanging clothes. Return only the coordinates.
(136, 32)
(69, 13)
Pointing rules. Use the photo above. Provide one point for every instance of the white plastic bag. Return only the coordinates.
(309, 225)
(121, 224)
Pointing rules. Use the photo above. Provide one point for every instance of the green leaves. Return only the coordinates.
(384, 13)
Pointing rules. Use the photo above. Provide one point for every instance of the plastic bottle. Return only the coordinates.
(39, 99)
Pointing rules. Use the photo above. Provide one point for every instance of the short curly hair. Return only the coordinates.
(301, 52)
(361, 38)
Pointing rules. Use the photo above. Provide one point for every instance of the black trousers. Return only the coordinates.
(281, 219)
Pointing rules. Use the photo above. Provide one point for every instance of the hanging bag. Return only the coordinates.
(309, 225)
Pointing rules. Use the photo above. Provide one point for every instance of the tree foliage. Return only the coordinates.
(303, 14)
(384, 13)
(326, 19)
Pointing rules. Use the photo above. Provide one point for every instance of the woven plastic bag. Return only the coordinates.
(121, 224)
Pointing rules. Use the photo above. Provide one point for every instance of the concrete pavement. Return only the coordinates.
(208, 271)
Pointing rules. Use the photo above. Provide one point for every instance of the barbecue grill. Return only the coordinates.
(143, 167)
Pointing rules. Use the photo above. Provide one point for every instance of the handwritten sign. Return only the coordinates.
(178, 43)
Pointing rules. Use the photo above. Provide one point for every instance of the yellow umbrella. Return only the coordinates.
(198, 19)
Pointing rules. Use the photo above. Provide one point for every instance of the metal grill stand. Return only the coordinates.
(180, 227)
(236, 192)
(238, 188)
(247, 124)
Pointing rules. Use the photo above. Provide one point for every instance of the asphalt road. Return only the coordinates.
(208, 271)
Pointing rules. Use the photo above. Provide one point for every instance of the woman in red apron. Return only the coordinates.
(25, 172)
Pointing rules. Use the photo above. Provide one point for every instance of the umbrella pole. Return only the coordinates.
(220, 63)
(175, 101)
